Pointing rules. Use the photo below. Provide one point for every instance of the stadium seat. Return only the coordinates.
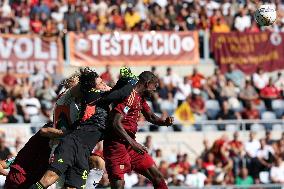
(208, 128)
(277, 127)
(232, 127)
(257, 127)
(212, 109)
(278, 107)
(261, 107)
(165, 129)
(188, 128)
(268, 115)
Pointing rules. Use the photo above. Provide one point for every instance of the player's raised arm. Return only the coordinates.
(154, 119)
(119, 130)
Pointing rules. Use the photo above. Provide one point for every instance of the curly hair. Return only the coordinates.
(71, 81)
(87, 79)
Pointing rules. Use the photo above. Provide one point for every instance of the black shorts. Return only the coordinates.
(71, 158)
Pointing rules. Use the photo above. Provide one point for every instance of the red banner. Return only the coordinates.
(139, 48)
(248, 51)
(22, 53)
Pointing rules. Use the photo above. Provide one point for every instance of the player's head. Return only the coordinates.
(149, 81)
(90, 79)
(71, 81)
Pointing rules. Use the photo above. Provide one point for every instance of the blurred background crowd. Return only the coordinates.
(56, 17)
(228, 96)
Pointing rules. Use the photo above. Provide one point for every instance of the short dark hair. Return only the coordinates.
(86, 79)
(148, 76)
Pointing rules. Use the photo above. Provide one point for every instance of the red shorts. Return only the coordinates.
(17, 178)
(121, 158)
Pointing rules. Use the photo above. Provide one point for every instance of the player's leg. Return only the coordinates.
(97, 165)
(117, 184)
(154, 175)
(64, 157)
(145, 165)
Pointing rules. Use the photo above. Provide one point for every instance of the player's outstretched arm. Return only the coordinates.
(51, 132)
(154, 119)
(118, 128)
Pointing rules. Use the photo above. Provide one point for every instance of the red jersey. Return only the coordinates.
(131, 108)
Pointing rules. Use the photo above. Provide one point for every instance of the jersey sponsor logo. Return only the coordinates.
(126, 109)
(121, 167)
(85, 175)
(60, 161)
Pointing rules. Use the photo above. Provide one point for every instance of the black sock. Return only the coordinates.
(37, 185)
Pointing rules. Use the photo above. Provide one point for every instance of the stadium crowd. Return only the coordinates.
(228, 96)
(52, 18)
(225, 162)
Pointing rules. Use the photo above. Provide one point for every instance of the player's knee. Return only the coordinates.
(49, 178)
(96, 162)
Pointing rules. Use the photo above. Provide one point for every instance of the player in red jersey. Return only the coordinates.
(121, 151)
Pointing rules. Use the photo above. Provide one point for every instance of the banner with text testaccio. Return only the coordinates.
(22, 53)
(248, 51)
(135, 48)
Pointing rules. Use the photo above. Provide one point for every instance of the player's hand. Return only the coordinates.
(138, 148)
(169, 121)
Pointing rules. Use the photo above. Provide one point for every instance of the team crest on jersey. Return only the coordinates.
(126, 109)
(121, 167)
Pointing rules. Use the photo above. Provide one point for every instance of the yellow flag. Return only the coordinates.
(184, 114)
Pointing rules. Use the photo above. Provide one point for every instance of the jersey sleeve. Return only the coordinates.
(117, 94)
(146, 107)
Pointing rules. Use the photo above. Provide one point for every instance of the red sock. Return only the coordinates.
(162, 185)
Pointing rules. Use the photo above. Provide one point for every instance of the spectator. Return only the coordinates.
(4, 151)
(195, 179)
(236, 75)
(72, 19)
(236, 152)
(9, 79)
(226, 113)
(179, 166)
(46, 94)
(269, 93)
(197, 79)
(171, 78)
(260, 79)
(206, 149)
(265, 158)
(36, 24)
(242, 21)
(229, 90)
(40, 8)
(30, 106)
(221, 26)
(183, 91)
(250, 112)
(279, 82)
(158, 156)
(197, 104)
(248, 94)
(107, 77)
(244, 179)
(268, 138)
(149, 145)
(209, 165)
(131, 18)
(277, 171)
(252, 146)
